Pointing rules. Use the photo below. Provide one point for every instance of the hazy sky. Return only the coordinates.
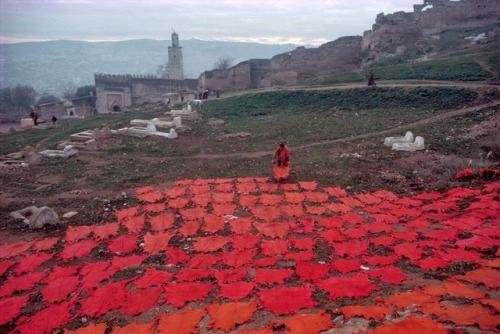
(266, 21)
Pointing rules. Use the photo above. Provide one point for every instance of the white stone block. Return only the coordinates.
(27, 122)
(139, 122)
(163, 124)
(151, 128)
(177, 122)
(70, 150)
(418, 145)
(408, 138)
(67, 152)
(172, 134)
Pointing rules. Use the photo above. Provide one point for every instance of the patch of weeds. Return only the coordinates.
(489, 251)
(465, 235)
(156, 260)
(322, 250)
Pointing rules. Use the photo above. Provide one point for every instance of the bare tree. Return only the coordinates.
(162, 71)
(223, 63)
(23, 96)
(69, 90)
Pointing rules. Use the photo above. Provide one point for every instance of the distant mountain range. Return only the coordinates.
(56, 66)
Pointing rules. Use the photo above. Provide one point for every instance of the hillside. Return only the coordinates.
(53, 66)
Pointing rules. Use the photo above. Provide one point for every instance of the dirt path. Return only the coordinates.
(404, 127)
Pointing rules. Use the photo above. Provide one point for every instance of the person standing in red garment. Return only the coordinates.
(281, 162)
(282, 155)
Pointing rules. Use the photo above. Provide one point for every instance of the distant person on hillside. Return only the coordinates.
(54, 120)
(34, 115)
(218, 92)
(281, 162)
(371, 79)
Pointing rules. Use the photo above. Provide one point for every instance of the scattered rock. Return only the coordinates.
(70, 214)
(216, 122)
(79, 192)
(350, 155)
(236, 135)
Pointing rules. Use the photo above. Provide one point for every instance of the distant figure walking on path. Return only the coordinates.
(371, 79)
(34, 115)
(281, 162)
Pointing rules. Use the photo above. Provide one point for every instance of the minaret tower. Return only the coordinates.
(175, 63)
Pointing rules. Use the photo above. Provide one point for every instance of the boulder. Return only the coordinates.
(36, 217)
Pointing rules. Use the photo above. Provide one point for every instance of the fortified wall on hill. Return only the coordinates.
(346, 53)
(290, 68)
(428, 19)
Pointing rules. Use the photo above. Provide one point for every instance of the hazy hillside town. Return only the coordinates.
(237, 187)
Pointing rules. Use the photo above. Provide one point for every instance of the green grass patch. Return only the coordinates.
(461, 69)
(348, 77)
(51, 136)
(304, 117)
(321, 101)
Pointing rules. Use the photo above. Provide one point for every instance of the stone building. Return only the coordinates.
(74, 108)
(114, 93)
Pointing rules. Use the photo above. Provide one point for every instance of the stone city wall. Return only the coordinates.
(157, 90)
(301, 64)
(117, 92)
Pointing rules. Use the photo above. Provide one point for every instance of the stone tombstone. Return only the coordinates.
(418, 145)
(106, 132)
(91, 145)
(177, 122)
(40, 147)
(408, 138)
(151, 128)
(96, 134)
(172, 134)
(33, 159)
(27, 122)
(69, 151)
